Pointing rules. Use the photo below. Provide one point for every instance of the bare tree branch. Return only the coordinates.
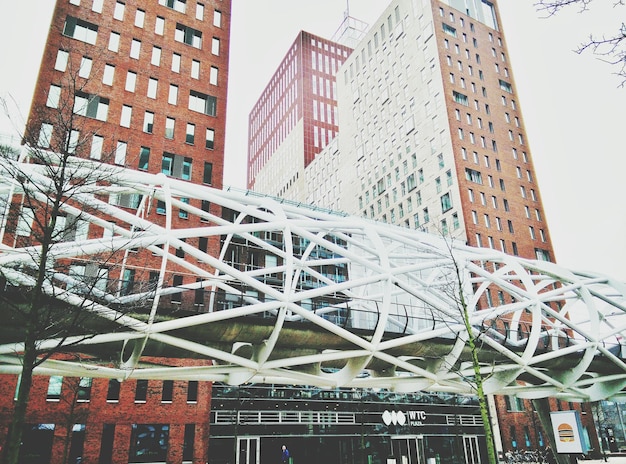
(610, 48)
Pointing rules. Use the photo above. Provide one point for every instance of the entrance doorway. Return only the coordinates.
(472, 452)
(408, 450)
(248, 449)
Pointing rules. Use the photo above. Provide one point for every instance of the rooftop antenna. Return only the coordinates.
(347, 8)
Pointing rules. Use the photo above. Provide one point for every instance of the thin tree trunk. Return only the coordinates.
(14, 437)
(29, 361)
(478, 377)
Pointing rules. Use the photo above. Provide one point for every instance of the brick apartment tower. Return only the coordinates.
(147, 85)
(296, 115)
(431, 137)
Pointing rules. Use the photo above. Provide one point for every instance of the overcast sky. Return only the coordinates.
(571, 104)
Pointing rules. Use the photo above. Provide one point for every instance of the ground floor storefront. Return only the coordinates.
(249, 426)
(404, 449)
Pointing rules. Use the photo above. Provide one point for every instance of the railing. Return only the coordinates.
(283, 417)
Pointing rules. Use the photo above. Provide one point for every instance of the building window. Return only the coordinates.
(25, 222)
(97, 142)
(148, 122)
(184, 214)
(91, 106)
(149, 443)
(473, 176)
(176, 166)
(188, 442)
(118, 12)
(144, 158)
(55, 383)
(215, 46)
(210, 139)
(542, 255)
(202, 103)
(125, 116)
(38, 440)
(167, 392)
(61, 61)
(217, 18)
(96, 6)
(188, 35)
(190, 133)
(126, 200)
(178, 5)
(175, 62)
(80, 30)
(156, 56)
(131, 81)
(108, 73)
(169, 128)
(446, 202)
(451, 31)
(177, 297)
(206, 207)
(200, 11)
(460, 98)
(207, 175)
(192, 391)
(410, 182)
(195, 69)
(135, 48)
(159, 25)
(85, 67)
(152, 87)
(141, 391)
(140, 17)
(505, 86)
(113, 391)
(73, 141)
(114, 42)
(54, 95)
(120, 152)
(213, 75)
(83, 392)
(160, 207)
(172, 97)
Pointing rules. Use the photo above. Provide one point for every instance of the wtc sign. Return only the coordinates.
(412, 417)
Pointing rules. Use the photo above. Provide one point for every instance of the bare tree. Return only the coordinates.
(47, 297)
(456, 292)
(475, 373)
(610, 47)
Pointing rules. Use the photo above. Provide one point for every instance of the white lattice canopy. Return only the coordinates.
(303, 296)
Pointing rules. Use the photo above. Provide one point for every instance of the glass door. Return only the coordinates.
(472, 451)
(248, 449)
(408, 450)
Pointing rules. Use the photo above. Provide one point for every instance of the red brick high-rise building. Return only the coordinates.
(148, 79)
(431, 137)
(141, 85)
(296, 114)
